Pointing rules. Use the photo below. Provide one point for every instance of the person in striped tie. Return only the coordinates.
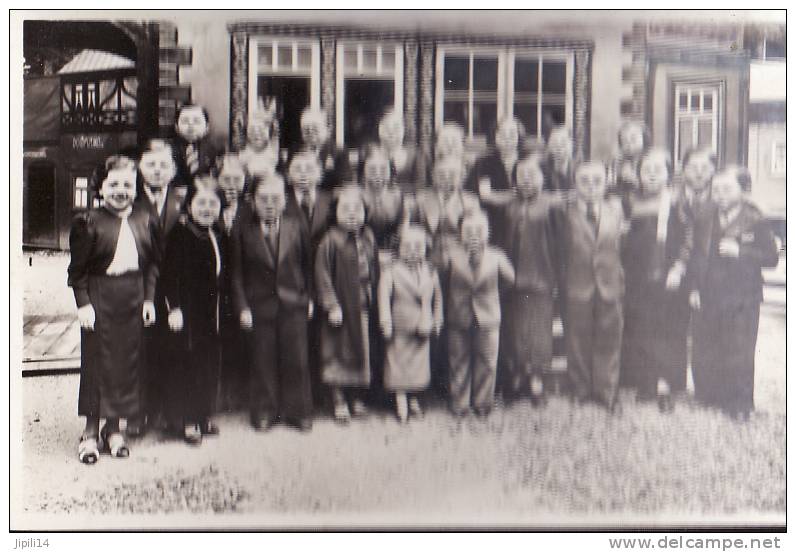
(192, 148)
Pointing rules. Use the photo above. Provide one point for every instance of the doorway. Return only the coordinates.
(365, 102)
(292, 95)
(40, 221)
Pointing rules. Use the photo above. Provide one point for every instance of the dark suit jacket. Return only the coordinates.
(265, 283)
(731, 282)
(322, 215)
(334, 164)
(92, 241)
(207, 158)
(172, 209)
(591, 263)
(190, 282)
(473, 296)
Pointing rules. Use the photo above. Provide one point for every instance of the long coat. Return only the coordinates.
(411, 304)
(191, 283)
(725, 329)
(110, 360)
(345, 349)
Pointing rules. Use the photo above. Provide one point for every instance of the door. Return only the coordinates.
(40, 220)
(292, 95)
(365, 103)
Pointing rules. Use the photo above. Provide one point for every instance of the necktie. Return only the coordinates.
(591, 216)
(305, 206)
(269, 231)
(191, 158)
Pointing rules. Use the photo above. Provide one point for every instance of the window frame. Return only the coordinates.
(314, 72)
(84, 193)
(506, 56)
(717, 114)
(340, 77)
(776, 169)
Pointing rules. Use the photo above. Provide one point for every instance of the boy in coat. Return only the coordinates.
(473, 316)
(192, 148)
(272, 290)
(345, 273)
(163, 195)
(731, 289)
(592, 285)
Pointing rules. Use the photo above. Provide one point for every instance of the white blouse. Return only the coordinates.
(125, 259)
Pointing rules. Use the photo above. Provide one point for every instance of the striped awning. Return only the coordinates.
(96, 60)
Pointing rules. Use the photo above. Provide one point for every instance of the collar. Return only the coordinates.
(273, 226)
(123, 214)
(584, 208)
(151, 193)
(730, 215)
(312, 193)
(691, 195)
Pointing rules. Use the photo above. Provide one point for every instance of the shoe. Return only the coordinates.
(538, 400)
(262, 423)
(88, 450)
(304, 425)
(482, 412)
(414, 408)
(615, 408)
(135, 428)
(114, 443)
(358, 408)
(665, 404)
(341, 413)
(192, 434)
(209, 427)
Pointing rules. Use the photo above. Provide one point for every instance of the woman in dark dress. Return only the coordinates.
(730, 292)
(492, 177)
(112, 271)
(657, 250)
(191, 272)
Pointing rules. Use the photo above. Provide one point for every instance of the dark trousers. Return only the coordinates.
(724, 356)
(655, 341)
(159, 358)
(280, 378)
(594, 342)
(193, 382)
(234, 365)
(527, 336)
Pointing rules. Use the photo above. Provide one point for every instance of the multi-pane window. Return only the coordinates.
(478, 86)
(369, 81)
(778, 156)
(696, 117)
(81, 192)
(287, 70)
(95, 104)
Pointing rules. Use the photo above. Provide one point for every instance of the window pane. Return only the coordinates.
(705, 132)
(707, 105)
(552, 115)
(485, 74)
(554, 77)
(456, 112)
(369, 59)
(305, 57)
(686, 136)
(350, 59)
(388, 58)
(683, 101)
(285, 57)
(265, 55)
(457, 70)
(527, 114)
(484, 118)
(695, 101)
(526, 75)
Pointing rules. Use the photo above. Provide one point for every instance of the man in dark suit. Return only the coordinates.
(162, 196)
(592, 285)
(313, 208)
(192, 149)
(272, 292)
(334, 163)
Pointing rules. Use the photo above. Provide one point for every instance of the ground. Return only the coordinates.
(560, 464)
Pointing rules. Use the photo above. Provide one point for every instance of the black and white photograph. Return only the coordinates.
(331, 270)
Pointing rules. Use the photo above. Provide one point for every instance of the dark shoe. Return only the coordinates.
(615, 408)
(192, 434)
(538, 400)
(209, 428)
(262, 423)
(665, 404)
(135, 428)
(302, 424)
(482, 412)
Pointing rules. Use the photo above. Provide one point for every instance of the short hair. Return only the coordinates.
(649, 152)
(477, 216)
(741, 174)
(271, 179)
(112, 163)
(193, 191)
(591, 162)
(156, 145)
(700, 150)
(186, 106)
(509, 120)
(628, 123)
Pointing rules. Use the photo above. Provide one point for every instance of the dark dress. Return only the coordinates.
(190, 282)
(501, 178)
(725, 329)
(654, 344)
(110, 360)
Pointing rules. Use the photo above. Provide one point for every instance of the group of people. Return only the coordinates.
(284, 282)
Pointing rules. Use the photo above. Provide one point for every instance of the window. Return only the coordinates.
(369, 81)
(478, 86)
(696, 117)
(778, 156)
(105, 102)
(80, 192)
(287, 70)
